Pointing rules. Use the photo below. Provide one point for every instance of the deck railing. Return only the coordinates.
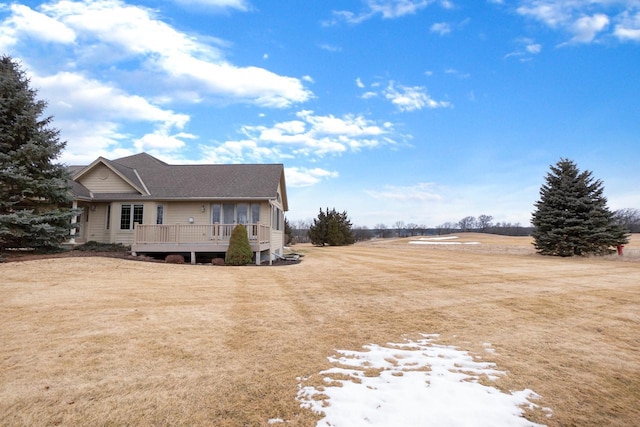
(217, 234)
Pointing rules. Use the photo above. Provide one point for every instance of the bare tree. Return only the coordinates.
(467, 223)
(361, 233)
(628, 218)
(412, 228)
(299, 230)
(484, 222)
(446, 228)
(382, 231)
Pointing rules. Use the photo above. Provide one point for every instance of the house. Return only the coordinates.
(154, 207)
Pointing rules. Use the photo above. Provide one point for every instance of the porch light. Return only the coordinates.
(202, 208)
(190, 220)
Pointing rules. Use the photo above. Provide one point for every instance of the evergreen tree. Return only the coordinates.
(288, 232)
(33, 190)
(331, 228)
(572, 217)
(239, 251)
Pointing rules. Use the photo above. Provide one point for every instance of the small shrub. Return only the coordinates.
(239, 252)
(174, 259)
(217, 261)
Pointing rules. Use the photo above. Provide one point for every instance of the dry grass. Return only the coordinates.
(96, 341)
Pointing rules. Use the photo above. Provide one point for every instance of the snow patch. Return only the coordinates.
(413, 383)
(443, 240)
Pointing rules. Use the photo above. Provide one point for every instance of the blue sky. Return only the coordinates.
(419, 111)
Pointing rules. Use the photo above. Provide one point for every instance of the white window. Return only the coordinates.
(276, 218)
(229, 213)
(130, 214)
(255, 213)
(232, 213)
(216, 213)
(242, 211)
(160, 214)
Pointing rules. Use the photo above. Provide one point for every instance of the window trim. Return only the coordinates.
(136, 214)
(159, 214)
(218, 212)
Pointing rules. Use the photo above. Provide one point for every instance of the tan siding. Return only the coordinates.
(124, 236)
(277, 241)
(276, 202)
(101, 179)
(180, 212)
(265, 213)
(96, 227)
(115, 221)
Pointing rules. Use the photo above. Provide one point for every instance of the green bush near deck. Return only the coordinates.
(239, 252)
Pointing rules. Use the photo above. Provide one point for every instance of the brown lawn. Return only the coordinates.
(103, 341)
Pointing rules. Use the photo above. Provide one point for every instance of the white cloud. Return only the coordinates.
(533, 48)
(397, 8)
(87, 140)
(349, 125)
(109, 32)
(239, 151)
(413, 98)
(526, 49)
(457, 73)
(552, 13)
(309, 136)
(329, 47)
(447, 4)
(240, 84)
(587, 27)
(441, 28)
(387, 9)
(303, 177)
(90, 115)
(584, 20)
(25, 21)
(241, 5)
(74, 95)
(628, 29)
(359, 83)
(161, 140)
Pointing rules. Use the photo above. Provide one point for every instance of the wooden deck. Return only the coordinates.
(195, 238)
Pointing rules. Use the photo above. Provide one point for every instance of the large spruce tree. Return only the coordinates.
(572, 217)
(331, 228)
(34, 191)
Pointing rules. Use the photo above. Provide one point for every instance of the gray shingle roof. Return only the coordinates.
(164, 181)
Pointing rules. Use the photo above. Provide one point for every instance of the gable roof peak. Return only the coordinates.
(140, 158)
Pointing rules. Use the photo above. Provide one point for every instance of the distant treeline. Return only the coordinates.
(629, 218)
(299, 232)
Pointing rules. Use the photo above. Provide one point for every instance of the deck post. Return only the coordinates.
(193, 258)
(257, 257)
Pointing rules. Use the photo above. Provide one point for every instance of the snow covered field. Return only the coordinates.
(415, 383)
